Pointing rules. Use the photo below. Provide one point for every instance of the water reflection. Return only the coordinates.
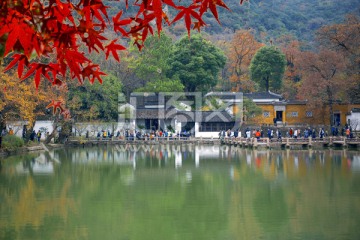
(41, 164)
(289, 162)
(180, 192)
(270, 163)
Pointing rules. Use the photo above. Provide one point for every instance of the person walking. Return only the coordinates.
(347, 132)
(321, 133)
(38, 135)
(258, 134)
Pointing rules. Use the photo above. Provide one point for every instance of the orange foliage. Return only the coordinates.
(241, 50)
(291, 83)
(324, 79)
(20, 100)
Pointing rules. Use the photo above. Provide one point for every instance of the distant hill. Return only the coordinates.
(300, 18)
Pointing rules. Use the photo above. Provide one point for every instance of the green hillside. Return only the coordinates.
(300, 18)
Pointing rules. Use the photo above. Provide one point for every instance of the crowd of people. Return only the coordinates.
(314, 133)
(34, 136)
(277, 133)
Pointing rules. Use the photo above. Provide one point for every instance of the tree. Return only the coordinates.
(323, 79)
(34, 30)
(292, 80)
(19, 101)
(251, 110)
(240, 51)
(151, 65)
(90, 102)
(267, 68)
(197, 63)
(344, 39)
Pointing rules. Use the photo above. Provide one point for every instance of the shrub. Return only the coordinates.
(12, 142)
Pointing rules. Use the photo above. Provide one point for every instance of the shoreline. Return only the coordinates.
(197, 141)
(29, 149)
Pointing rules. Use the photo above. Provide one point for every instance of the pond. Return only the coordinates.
(180, 192)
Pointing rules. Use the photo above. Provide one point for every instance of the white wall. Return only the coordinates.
(207, 134)
(17, 126)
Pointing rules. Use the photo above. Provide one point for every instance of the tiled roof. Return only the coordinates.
(263, 95)
(224, 95)
(296, 102)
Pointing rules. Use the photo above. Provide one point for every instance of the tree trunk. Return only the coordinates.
(65, 132)
(267, 83)
(331, 109)
(53, 133)
(2, 125)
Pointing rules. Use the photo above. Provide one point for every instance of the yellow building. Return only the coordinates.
(294, 112)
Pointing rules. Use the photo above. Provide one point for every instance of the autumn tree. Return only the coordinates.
(196, 62)
(324, 81)
(344, 38)
(19, 101)
(292, 79)
(241, 50)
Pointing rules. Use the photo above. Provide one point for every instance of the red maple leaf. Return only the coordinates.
(118, 23)
(74, 60)
(156, 7)
(21, 60)
(21, 37)
(212, 5)
(56, 104)
(140, 31)
(187, 13)
(113, 48)
(90, 36)
(92, 9)
(40, 69)
(157, 13)
(61, 11)
(92, 72)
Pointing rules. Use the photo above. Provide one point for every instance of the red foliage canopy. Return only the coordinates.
(34, 29)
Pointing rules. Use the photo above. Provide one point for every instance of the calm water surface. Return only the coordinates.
(180, 192)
